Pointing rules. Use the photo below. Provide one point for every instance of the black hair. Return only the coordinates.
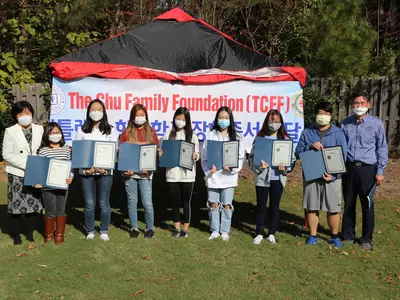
(104, 126)
(325, 106)
(19, 107)
(231, 129)
(188, 127)
(355, 94)
(45, 138)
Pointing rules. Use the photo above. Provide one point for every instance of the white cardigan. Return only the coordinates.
(16, 148)
(221, 179)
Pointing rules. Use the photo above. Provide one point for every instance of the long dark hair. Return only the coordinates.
(188, 127)
(231, 129)
(131, 129)
(104, 126)
(45, 138)
(281, 134)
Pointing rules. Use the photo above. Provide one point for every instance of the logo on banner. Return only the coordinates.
(57, 100)
(298, 103)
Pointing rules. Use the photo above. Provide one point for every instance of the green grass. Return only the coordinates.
(195, 268)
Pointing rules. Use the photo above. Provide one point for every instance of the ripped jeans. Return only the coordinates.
(145, 187)
(222, 197)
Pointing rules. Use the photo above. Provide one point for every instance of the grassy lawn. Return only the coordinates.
(195, 268)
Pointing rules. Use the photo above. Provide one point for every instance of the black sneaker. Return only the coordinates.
(176, 233)
(148, 234)
(135, 233)
(184, 234)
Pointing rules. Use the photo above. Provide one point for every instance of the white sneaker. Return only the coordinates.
(225, 236)
(271, 238)
(90, 236)
(104, 237)
(214, 235)
(257, 240)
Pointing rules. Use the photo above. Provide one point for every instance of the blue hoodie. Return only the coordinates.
(334, 137)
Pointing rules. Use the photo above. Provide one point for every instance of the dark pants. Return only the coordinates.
(97, 188)
(359, 181)
(54, 202)
(181, 194)
(275, 193)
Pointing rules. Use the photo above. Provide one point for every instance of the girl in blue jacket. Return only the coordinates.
(323, 194)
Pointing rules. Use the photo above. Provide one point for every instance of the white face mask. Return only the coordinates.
(25, 120)
(274, 126)
(359, 111)
(96, 115)
(140, 120)
(322, 120)
(55, 138)
(180, 123)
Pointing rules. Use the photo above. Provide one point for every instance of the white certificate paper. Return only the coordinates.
(230, 154)
(186, 155)
(334, 160)
(282, 153)
(148, 157)
(58, 172)
(104, 155)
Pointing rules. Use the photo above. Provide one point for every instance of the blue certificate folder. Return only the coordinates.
(37, 168)
(215, 155)
(263, 151)
(313, 164)
(129, 158)
(83, 154)
(171, 156)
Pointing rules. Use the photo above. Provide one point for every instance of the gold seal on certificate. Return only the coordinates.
(230, 154)
(334, 160)
(282, 152)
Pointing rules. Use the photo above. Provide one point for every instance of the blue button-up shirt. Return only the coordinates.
(366, 141)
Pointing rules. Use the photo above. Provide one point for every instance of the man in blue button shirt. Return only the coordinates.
(367, 156)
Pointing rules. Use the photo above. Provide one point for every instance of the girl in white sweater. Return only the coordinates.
(181, 181)
(221, 183)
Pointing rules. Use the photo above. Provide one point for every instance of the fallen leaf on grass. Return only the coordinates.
(42, 266)
(21, 275)
(298, 243)
(345, 253)
(325, 283)
(51, 278)
(68, 269)
(145, 257)
(38, 279)
(37, 292)
(347, 281)
(88, 276)
(30, 247)
(138, 293)
(398, 210)
(21, 254)
(353, 251)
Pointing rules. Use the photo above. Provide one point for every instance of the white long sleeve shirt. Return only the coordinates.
(221, 178)
(179, 174)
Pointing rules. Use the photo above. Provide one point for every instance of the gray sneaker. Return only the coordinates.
(366, 246)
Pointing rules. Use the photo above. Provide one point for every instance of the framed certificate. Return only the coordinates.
(334, 160)
(230, 154)
(186, 155)
(148, 157)
(58, 172)
(282, 152)
(104, 155)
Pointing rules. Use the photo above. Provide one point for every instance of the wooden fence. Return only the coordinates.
(384, 94)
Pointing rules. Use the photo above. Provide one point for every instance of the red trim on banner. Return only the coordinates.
(74, 70)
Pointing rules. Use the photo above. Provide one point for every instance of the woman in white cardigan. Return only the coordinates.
(21, 140)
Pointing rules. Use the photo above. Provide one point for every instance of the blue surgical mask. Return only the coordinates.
(223, 123)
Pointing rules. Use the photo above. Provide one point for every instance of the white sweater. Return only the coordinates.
(179, 174)
(221, 179)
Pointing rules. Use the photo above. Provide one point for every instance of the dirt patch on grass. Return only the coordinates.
(389, 189)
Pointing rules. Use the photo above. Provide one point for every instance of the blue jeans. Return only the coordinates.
(97, 188)
(131, 188)
(222, 197)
